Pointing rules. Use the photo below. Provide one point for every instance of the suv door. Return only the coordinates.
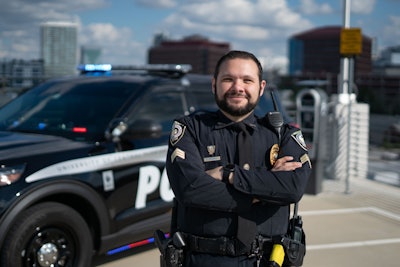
(146, 190)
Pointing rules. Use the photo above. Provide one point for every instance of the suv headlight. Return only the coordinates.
(10, 174)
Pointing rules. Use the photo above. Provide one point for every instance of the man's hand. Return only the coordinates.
(286, 164)
(216, 173)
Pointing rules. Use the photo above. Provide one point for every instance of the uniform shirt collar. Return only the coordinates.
(224, 122)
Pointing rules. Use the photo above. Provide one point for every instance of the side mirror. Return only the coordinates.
(143, 128)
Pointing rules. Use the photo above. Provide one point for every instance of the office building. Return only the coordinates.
(59, 48)
(389, 62)
(90, 55)
(317, 51)
(315, 60)
(195, 50)
(21, 74)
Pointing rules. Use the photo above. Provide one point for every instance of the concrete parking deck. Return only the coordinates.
(361, 228)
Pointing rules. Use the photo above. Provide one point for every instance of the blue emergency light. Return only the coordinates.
(95, 69)
(174, 70)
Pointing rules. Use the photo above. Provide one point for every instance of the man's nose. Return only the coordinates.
(238, 85)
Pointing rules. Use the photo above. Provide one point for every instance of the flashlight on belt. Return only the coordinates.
(277, 256)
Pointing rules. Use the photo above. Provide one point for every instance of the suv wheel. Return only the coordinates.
(48, 234)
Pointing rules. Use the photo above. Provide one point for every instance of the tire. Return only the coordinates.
(48, 234)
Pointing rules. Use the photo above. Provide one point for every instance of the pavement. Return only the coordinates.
(359, 228)
(346, 224)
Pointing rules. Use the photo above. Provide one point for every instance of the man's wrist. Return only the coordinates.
(227, 171)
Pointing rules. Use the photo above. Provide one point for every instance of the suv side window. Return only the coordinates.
(204, 100)
(161, 107)
(201, 97)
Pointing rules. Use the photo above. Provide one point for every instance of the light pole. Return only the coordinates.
(345, 92)
(345, 84)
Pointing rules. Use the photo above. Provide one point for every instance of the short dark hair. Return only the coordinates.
(238, 54)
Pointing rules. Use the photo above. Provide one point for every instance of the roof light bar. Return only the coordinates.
(182, 68)
(94, 67)
(172, 70)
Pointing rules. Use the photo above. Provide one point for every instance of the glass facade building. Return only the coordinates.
(317, 52)
(59, 48)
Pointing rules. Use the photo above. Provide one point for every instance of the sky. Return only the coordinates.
(125, 29)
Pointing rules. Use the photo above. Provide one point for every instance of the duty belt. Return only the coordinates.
(225, 246)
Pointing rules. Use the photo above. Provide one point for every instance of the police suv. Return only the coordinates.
(82, 161)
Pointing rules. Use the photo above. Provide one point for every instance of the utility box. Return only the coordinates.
(311, 105)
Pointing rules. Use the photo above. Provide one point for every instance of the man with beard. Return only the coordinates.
(229, 210)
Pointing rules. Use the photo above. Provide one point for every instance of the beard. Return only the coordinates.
(233, 110)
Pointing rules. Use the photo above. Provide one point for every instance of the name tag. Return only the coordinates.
(210, 159)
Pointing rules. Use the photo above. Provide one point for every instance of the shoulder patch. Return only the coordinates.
(298, 137)
(178, 130)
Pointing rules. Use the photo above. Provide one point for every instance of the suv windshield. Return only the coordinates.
(79, 111)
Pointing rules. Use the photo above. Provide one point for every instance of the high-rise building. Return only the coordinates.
(20, 74)
(389, 62)
(90, 55)
(317, 52)
(195, 50)
(315, 60)
(59, 48)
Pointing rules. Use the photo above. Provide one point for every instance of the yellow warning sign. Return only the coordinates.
(350, 41)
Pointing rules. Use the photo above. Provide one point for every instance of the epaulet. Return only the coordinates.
(201, 113)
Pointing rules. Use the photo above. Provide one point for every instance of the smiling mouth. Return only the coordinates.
(236, 97)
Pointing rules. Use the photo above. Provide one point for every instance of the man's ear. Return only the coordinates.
(213, 85)
(262, 86)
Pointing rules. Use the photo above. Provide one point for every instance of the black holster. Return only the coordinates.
(294, 252)
(172, 254)
(294, 243)
(173, 257)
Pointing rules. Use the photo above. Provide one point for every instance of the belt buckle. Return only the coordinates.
(223, 245)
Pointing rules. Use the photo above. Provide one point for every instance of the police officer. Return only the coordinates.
(216, 194)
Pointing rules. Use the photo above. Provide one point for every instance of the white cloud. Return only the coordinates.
(310, 7)
(391, 33)
(362, 6)
(106, 33)
(116, 43)
(239, 18)
(249, 32)
(217, 31)
(223, 11)
(157, 3)
(19, 44)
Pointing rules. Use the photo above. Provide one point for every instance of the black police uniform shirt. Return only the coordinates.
(208, 207)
